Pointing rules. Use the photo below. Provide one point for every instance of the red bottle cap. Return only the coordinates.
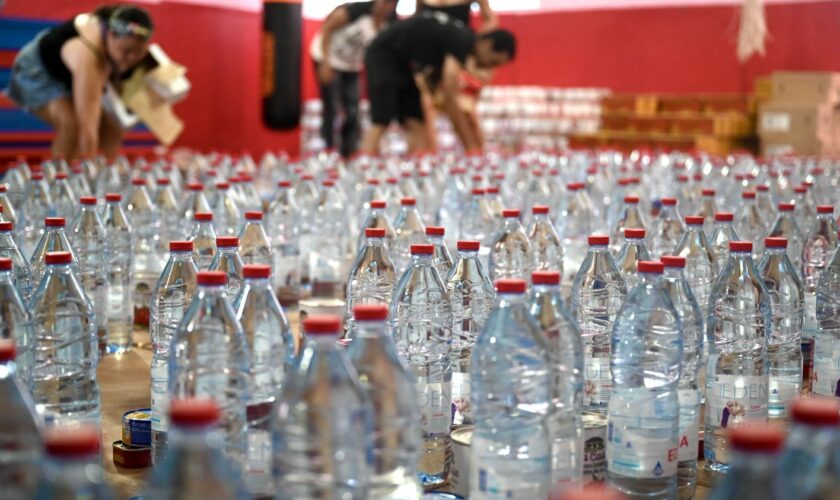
(673, 261)
(195, 186)
(37, 176)
(163, 182)
(180, 246)
(212, 278)
(194, 412)
(631, 199)
(435, 231)
(634, 233)
(814, 411)
(5, 264)
(375, 232)
(87, 200)
(138, 181)
(113, 197)
(511, 285)
(393, 180)
(54, 222)
(492, 190)
(478, 192)
(310, 177)
(762, 188)
(694, 220)
(227, 241)
(61, 176)
(825, 209)
(510, 213)
(223, 185)
(256, 271)
(284, 184)
(575, 186)
(322, 324)
(373, 182)
(651, 266)
(669, 202)
(8, 350)
(370, 312)
(748, 195)
(72, 442)
(800, 190)
(772, 242)
(724, 217)
(378, 204)
(203, 216)
(708, 192)
(408, 202)
(422, 249)
(757, 438)
(598, 239)
(540, 209)
(253, 215)
(6, 226)
(468, 246)
(740, 246)
(545, 277)
(787, 207)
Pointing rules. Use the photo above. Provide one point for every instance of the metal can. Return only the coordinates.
(137, 427)
(459, 475)
(594, 447)
(131, 457)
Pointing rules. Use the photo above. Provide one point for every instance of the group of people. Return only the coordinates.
(414, 67)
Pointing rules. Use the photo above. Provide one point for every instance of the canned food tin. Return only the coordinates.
(459, 475)
(131, 457)
(594, 447)
(137, 427)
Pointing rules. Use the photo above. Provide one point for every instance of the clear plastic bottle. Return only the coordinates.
(574, 225)
(512, 388)
(722, 234)
(203, 237)
(739, 326)
(598, 293)
(283, 227)
(766, 207)
(421, 319)
(228, 261)
(750, 222)
(408, 230)
(20, 426)
(53, 240)
(171, 298)
(62, 196)
(666, 229)
(8, 212)
(443, 259)
(109, 180)
(816, 254)
(72, 468)
(78, 182)
(171, 225)
(708, 209)
(477, 220)
(194, 202)
(119, 245)
(390, 388)
(226, 212)
(784, 351)
(806, 210)
(677, 287)
(546, 247)
(566, 356)
(272, 350)
(755, 450)
(254, 245)
(785, 226)
(195, 465)
(632, 252)
(209, 358)
(643, 411)
(16, 322)
(701, 264)
(87, 232)
(320, 424)
(36, 207)
(377, 217)
(65, 388)
(147, 262)
(471, 294)
(631, 216)
(21, 274)
(372, 276)
(826, 382)
(511, 255)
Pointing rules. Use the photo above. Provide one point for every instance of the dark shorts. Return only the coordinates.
(392, 93)
(30, 85)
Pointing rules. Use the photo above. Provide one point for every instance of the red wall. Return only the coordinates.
(675, 49)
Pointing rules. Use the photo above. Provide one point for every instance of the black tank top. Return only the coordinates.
(460, 11)
(50, 51)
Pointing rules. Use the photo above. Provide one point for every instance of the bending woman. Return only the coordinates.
(61, 74)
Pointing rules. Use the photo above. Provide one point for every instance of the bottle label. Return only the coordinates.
(634, 454)
(435, 407)
(160, 400)
(598, 381)
(733, 399)
(826, 369)
(689, 425)
(461, 404)
(782, 391)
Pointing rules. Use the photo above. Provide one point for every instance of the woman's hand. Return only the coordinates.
(325, 73)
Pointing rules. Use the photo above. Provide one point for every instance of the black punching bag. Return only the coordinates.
(282, 26)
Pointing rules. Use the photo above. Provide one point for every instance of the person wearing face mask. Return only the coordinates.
(60, 76)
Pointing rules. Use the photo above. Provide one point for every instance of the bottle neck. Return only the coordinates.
(375, 242)
(545, 289)
(673, 273)
(421, 261)
(511, 299)
(371, 329)
(649, 278)
(258, 283)
(754, 468)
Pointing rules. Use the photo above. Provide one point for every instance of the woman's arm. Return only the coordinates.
(88, 81)
(338, 18)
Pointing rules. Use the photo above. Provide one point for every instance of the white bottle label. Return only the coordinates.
(435, 407)
(826, 369)
(598, 381)
(689, 425)
(259, 455)
(782, 390)
(488, 483)
(733, 399)
(630, 453)
(160, 401)
(461, 404)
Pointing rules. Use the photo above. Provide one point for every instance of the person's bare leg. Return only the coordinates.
(429, 120)
(110, 135)
(416, 135)
(370, 144)
(61, 116)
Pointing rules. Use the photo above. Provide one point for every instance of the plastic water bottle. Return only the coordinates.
(442, 257)
(8, 211)
(62, 196)
(272, 350)
(209, 358)
(228, 261)
(171, 298)
(722, 234)
(390, 388)
(148, 260)
(750, 221)
(254, 245)
(809, 448)
(194, 202)
(677, 287)
(21, 274)
(574, 225)
(471, 295)
(598, 293)
(739, 326)
(566, 356)
(87, 232)
(546, 247)
(119, 245)
(109, 180)
(511, 255)
(54, 239)
(643, 411)
(72, 468)
(16, 322)
(66, 354)
(816, 254)
(203, 237)
(226, 212)
(756, 450)
(36, 208)
(666, 229)
(195, 465)
(283, 223)
(783, 348)
(377, 217)
(421, 320)
(701, 265)
(372, 276)
(631, 216)
(708, 209)
(171, 225)
(785, 226)
(806, 209)
(512, 388)
(409, 230)
(78, 181)
(632, 252)
(827, 342)
(477, 220)
(320, 424)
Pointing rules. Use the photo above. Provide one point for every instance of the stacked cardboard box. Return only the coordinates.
(802, 115)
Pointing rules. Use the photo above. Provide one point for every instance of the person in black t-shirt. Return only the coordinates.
(433, 48)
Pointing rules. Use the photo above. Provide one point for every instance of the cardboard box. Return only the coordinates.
(796, 145)
(796, 121)
(814, 87)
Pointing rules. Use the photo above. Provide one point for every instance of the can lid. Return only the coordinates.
(253, 215)
(138, 181)
(786, 207)
(379, 204)
(540, 209)
(5, 264)
(435, 231)
(227, 241)
(6, 225)
(598, 239)
(370, 312)
(112, 197)
(757, 438)
(468, 246)
(55, 222)
(163, 181)
(708, 192)
(422, 249)
(478, 192)
(631, 199)
(194, 412)
(825, 209)
(773, 242)
(815, 411)
(284, 184)
(669, 202)
(511, 285)
(256, 271)
(695, 220)
(545, 277)
(322, 324)
(203, 216)
(634, 233)
(58, 258)
(69, 442)
(8, 349)
(223, 185)
(740, 246)
(195, 186)
(748, 195)
(651, 266)
(762, 188)
(87, 200)
(211, 278)
(724, 217)
(673, 261)
(510, 213)
(180, 246)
